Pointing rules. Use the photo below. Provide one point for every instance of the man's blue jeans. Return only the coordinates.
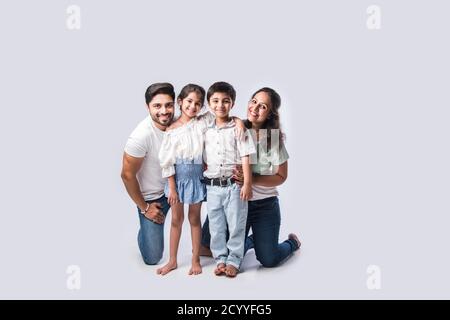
(264, 219)
(151, 235)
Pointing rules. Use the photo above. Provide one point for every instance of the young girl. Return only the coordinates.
(181, 161)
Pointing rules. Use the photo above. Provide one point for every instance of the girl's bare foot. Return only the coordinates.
(293, 236)
(171, 265)
(220, 269)
(196, 267)
(231, 271)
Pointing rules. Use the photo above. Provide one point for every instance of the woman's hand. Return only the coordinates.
(173, 196)
(239, 130)
(238, 175)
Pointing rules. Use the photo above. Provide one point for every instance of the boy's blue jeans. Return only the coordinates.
(226, 209)
(264, 219)
(151, 235)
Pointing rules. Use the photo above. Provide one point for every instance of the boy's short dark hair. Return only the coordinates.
(159, 88)
(222, 87)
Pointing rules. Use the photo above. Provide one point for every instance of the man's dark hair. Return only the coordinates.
(222, 87)
(159, 88)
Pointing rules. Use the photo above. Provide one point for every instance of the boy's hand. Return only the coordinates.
(173, 196)
(246, 192)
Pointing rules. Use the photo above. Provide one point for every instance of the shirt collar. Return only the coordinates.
(230, 124)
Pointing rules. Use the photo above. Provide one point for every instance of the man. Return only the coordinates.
(141, 171)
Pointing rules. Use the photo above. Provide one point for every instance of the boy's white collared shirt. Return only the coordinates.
(224, 150)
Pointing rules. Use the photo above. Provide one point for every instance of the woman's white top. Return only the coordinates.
(266, 163)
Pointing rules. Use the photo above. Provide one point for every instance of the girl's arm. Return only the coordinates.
(173, 194)
(167, 162)
(167, 156)
(206, 118)
(273, 180)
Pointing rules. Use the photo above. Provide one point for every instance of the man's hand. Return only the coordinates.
(154, 213)
(246, 192)
(173, 196)
(238, 175)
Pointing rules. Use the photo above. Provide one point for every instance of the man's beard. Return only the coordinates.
(164, 123)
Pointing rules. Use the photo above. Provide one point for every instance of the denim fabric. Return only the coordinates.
(264, 220)
(188, 174)
(151, 235)
(225, 208)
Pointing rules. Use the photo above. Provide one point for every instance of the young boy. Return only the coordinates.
(227, 202)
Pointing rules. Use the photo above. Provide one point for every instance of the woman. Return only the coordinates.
(269, 171)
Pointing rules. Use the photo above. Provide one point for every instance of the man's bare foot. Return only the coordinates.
(196, 267)
(205, 251)
(171, 265)
(220, 269)
(231, 271)
(293, 236)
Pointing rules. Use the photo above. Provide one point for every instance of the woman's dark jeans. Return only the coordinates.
(264, 219)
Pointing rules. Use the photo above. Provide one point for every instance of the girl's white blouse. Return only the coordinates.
(184, 144)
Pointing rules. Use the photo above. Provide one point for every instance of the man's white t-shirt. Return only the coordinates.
(145, 142)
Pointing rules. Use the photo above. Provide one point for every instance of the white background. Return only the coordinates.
(366, 114)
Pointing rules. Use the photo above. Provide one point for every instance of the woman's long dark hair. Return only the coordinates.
(273, 120)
